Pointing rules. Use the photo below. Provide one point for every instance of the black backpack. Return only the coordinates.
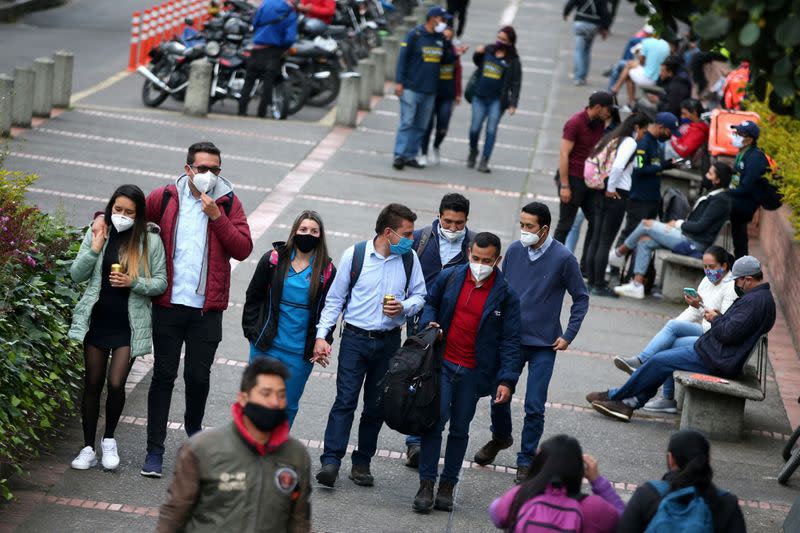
(674, 206)
(409, 391)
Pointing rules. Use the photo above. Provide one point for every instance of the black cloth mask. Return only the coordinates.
(264, 418)
(306, 242)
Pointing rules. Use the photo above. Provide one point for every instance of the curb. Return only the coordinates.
(18, 8)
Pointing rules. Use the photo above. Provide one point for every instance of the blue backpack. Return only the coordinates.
(682, 510)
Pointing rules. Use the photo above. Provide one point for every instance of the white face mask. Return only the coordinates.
(451, 235)
(528, 239)
(481, 272)
(737, 141)
(121, 222)
(204, 182)
(439, 28)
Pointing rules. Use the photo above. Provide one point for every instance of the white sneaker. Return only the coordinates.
(435, 156)
(110, 455)
(616, 260)
(631, 290)
(625, 109)
(422, 159)
(86, 459)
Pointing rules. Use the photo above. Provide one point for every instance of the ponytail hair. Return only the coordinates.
(691, 452)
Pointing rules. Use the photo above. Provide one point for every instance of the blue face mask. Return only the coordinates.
(402, 247)
(714, 275)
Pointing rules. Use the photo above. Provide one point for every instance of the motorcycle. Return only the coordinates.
(168, 73)
(319, 60)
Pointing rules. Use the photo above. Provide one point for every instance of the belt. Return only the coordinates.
(371, 334)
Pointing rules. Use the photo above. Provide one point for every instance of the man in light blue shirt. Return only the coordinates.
(190, 245)
(371, 334)
(643, 71)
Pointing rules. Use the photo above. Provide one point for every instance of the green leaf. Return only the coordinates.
(749, 34)
(15, 401)
(783, 67)
(787, 33)
(711, 26)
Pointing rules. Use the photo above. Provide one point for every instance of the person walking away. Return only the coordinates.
(496, 90)
(458, 8)
(478, 315)
(443, 244)
(748, 171)
(714, 293)
(581, 133)
(274, 31)
(643, 70)
(378, 286)
(540, 270)
(247, 475)
(555, 478)
(416, 81)
(611, 204)
(693, 132)
(323, 10)
(591, 17)
(284, 302)
(688, 473)
(686, 237)
(125, 266)
(448, 94)
(722, 351)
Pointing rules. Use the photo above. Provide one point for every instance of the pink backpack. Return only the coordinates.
(597, 168)
(551, 511)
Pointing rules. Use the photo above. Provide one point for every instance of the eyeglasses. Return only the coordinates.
(202, 169)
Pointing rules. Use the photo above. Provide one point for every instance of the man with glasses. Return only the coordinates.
(378, 285)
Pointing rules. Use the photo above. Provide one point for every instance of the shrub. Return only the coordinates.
(40, 368)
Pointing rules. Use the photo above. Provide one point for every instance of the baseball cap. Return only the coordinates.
(602, 98)
(448, 18)
(668, 120)
(648, 29)
(436, 11)
(745, 266)
(749, 128)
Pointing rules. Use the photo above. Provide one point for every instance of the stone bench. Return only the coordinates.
(686, 181)
(716, 407)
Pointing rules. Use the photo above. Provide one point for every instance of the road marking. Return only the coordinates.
(105, 84)
(509, 13)
(71, 195)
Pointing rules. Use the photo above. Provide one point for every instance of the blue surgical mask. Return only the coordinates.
(715, 274)
(402, 247)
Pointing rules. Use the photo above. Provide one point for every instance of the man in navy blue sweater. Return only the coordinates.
(540, 270)
(721, 351)
(416, 81)
(748, 170)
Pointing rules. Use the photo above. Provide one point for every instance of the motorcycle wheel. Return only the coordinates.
(789, 468)
(280, 101)
(152, 96)
(326, 90)
(297, 90)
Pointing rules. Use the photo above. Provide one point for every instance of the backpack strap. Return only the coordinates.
(661, 486)
(326, 275)
(424, 237)
(357, 263)
(408, 266)
(273, 258)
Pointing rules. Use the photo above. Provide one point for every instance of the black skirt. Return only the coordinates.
(109, 327)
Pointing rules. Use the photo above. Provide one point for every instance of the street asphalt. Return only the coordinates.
(110, 138)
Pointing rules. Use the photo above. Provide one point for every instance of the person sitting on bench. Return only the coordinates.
(721, 351)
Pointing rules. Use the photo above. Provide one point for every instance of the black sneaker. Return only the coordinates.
(490, 450)
(473, 156)
(483, 166)
(412, 456)
(361, 476)
(327, 476)
(423, 501)
(522, 474)
(603, 291)
(152, 465)
(413, 163)
(399, 163)
(444, 496)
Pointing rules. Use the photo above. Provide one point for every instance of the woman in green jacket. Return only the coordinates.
(124, 268)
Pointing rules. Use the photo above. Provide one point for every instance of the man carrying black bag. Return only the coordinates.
(478, 315)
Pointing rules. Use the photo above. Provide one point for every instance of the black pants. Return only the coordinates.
(608, 215)
(458, 8)
(740, 218)
(583, 198)
(265, 65)
(636, 212)
(173, 327)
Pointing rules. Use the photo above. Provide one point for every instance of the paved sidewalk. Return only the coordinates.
(280, 168)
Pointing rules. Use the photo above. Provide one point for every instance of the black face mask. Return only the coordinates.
(264, 418)
(305, 242)
(739, 290)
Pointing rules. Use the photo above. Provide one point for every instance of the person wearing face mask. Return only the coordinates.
(714, 293)
(748, 171)
(378, 287)
(685, 237)
(203, 226)
(247, 475)
(540, 270)
(124, 266)
(479, 317)
(721, 351)
(496, 90)
(284, 302)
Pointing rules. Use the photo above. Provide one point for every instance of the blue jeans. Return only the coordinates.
(299, 371)
(585, 33)
(442, 111)
(674, 334)
(540, 370)
(415, 113)
(661, 236)
(616, 72)
(457, 401)
(489, 111)
(361, 361)
(575, 232)
(644, 382)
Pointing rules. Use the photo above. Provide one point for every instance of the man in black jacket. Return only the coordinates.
(748, 171)
(591, 18)
(721, 351)
(673, 88)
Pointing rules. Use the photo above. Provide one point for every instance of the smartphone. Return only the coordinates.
(678, 161)
(690, 292)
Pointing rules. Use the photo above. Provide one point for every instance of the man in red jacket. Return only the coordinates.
(318, 9)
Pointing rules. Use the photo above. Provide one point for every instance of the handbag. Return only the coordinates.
(469, 91)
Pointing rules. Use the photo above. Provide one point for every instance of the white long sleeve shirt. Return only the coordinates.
(622, 167)
(720, 297)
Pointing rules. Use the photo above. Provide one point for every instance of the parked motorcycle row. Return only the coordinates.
(311, 70)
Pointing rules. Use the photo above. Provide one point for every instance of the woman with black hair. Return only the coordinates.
(557, 471)
(688, 465)
(285, 299)
(124, 268)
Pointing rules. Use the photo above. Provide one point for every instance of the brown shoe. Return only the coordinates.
(489, 451)
(614, 409)
(444, 496)
(423, 501)
(361, 475)
(522, 474)
(597, 397)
